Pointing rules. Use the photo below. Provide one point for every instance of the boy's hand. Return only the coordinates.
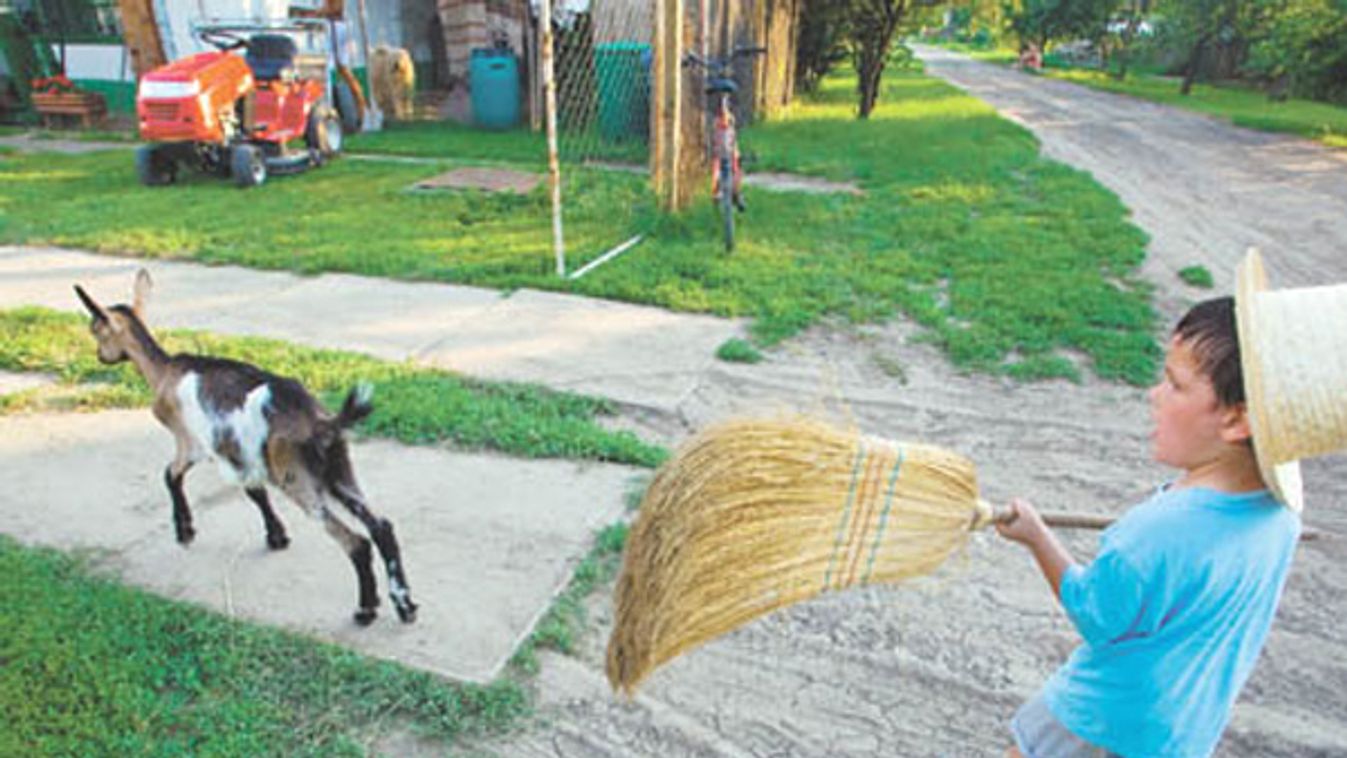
(1027, 527)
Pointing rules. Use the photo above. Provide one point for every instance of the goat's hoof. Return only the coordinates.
(407, 613)
(365, 616)
(278, 541)
(185, 536)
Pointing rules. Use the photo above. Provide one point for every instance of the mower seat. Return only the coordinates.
(271, 56)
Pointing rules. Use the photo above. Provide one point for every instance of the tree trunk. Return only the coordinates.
(1194, 63)
(874, 35)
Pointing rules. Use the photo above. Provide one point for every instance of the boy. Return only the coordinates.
(1176, 606)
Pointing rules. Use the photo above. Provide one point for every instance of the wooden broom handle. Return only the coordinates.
(1065, 520)
(1059, 519)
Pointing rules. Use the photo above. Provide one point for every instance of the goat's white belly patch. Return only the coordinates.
(234, 438)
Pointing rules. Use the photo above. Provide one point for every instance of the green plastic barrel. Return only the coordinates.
(623, 73)
(493, 75)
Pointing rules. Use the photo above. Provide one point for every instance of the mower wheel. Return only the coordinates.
(323, 135)
(248, 165)
(154, 167)
(347, 107)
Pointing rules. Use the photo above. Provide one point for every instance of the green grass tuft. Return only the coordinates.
(1196, 276)
(736, 350)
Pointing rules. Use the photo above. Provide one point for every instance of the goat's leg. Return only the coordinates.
(182, 514)
(306, 495)
(276, 537)
(381, 530)
(357, 548)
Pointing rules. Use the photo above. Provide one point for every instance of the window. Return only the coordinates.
(70, 20)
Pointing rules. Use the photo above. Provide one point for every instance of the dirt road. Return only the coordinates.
(935, 668)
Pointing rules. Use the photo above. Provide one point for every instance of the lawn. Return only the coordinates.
(1014, 264)
(89, 667)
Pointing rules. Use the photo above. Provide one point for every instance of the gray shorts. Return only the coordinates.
(1038, 734)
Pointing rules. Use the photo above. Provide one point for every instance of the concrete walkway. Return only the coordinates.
(635, 355)
(488, 540)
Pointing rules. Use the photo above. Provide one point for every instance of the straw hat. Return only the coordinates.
(1293, 351)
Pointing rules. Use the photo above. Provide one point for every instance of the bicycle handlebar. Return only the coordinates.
(717, 63)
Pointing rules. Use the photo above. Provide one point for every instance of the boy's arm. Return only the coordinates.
(1028, 529)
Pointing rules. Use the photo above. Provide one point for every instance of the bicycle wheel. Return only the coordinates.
(726, 201)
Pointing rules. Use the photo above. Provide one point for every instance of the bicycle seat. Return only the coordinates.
(717, 84)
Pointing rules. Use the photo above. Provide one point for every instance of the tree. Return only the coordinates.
(1302, 49)
(873, 24)
(1131, 14)
(1044, 21)
(822, 43)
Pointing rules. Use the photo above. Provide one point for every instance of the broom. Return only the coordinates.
(753, 515)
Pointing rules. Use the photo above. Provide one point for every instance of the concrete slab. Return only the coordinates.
(11, 382)
(488, 540)
(633, 354)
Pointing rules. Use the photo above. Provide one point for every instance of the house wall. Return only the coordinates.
(107, 68)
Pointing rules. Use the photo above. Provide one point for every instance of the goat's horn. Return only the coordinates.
(89, 303)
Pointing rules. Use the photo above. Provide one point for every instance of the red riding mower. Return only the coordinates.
(268, 111)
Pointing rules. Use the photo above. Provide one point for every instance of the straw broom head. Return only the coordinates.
(753, 515)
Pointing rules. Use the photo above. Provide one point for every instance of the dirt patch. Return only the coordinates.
(489, 179)
(799, 183)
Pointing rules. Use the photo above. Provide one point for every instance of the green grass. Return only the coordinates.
(446, 139)
(90, 667)
(1011, 263)
(736, 350)
(412, 404)
(1196, 276)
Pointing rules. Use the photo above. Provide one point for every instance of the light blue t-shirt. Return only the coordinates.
(1173, 611)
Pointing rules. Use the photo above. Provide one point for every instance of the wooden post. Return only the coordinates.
(550, 105)
(140, 32)
(667, 113)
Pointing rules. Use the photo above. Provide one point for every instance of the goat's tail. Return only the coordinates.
(357, 406)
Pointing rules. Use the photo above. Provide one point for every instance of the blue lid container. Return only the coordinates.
(493, 77)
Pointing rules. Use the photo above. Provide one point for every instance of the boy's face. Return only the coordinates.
(1191, 427)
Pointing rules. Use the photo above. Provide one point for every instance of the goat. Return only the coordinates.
(261, 429)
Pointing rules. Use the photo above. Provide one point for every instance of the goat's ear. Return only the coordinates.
(141, 293)
(94, 308)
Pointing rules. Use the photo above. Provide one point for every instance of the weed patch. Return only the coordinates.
(412, 404)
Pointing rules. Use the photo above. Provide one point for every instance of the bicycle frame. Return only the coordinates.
(725, 146)
(727, 171)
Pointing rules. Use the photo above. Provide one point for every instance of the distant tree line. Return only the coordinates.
(1288, 47)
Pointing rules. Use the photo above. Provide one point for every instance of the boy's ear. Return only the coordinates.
(1235, 427)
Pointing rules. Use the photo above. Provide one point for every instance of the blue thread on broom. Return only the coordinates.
(846, 513)
(884, 516)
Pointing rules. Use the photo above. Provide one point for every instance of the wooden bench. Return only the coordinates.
(90, 107)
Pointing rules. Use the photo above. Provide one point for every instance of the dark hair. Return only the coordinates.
(1209, 330)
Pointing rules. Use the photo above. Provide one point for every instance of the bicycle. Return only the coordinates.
(727, 175)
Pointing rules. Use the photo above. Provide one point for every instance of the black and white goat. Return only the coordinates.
(260, 428)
